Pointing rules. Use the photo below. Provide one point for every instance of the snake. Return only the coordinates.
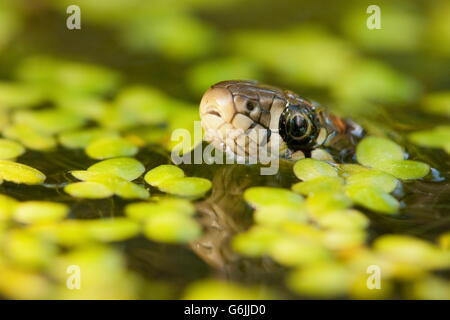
(242, 116)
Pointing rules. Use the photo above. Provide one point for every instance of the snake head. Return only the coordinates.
(236, 115)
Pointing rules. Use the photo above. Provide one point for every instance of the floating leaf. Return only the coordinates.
(438, 103)
(126, 168)
(121, 187)
(29, 137)
(293, 252)
(191, 187)
(412, 251)
(221, 290)
(321, 280)
(327, 201)
(7, 207)
(112, 229)
(405, 169)
(307, 169)
(49, 121)
(83, 137)
(143, 210)
(35, 212)
(319, 184)
(88, 190)
(14, 95)
(257, 241)
(161, 173)
(343, 220)
(276, 214)
(172, 228)
(26, 250)
(372, 151)
(373, 198)
(348, 169)
(110, 147)
(373, 178)
(20, 173)
(267, 196)
(10, 149)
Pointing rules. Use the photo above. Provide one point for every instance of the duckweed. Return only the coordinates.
(444, 240)
(430, 288)
(348, 169)
(293, 252)
(126, 168)
(308, 169)
(319, 184)
(110, 147)
(171, 228)
(372, 80)
(438, 137)
(113, 229)
(7, 207)
(35, 212)
(412, 251)
(308, 48)
(27, 250)
(257, 241)
(348, 219)
(343, 240)
(158, 175)
(68, 233)
(191, 187)
(54, 75)
(438, 103)
(406, 169)
(10, 149)
(121, 187)
(14, 95)
(30, 137)
(221, 290)
(325, 201)
(20, 173)
(373, 178)
(267, 196)
(387, 156)
(277, 214)
(49, 121)
(321, 280)
(372, 151)
(83, 137)
(373, 198)
(88, 190)
(103, 273)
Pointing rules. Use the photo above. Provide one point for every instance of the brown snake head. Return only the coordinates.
(242, 116)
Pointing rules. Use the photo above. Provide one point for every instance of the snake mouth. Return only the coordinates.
(227, 128)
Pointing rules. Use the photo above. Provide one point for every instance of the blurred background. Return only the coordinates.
(135, 64)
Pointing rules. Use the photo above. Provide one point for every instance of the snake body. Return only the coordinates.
(233, 112)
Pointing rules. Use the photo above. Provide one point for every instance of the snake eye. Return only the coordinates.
(298, 128)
